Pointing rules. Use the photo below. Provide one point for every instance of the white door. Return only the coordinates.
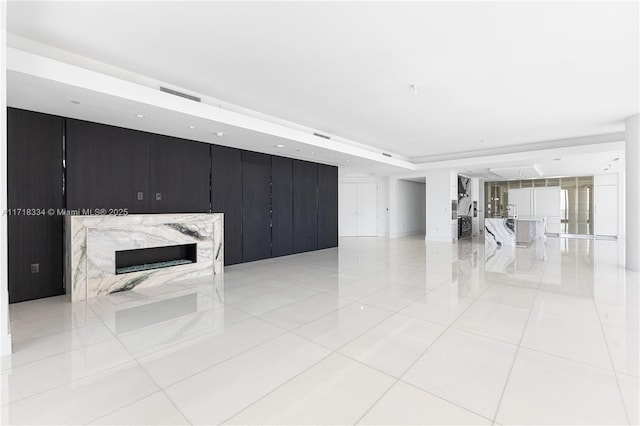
(367, 209)
(605, 208)
(547, 204)
(522, 199)
(348, 208)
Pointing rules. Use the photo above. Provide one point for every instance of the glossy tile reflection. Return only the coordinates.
(375, 332)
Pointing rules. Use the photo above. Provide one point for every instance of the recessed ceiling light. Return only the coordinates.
(75, 102)
(312, 153)
(139, 115)
(219, 134)
(279, 146)
(192, 127)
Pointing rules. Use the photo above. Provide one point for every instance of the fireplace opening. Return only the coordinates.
(154, 258)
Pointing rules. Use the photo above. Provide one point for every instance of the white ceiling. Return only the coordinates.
(506, 73)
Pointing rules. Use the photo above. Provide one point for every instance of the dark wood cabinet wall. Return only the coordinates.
(273, 206)
(34, 183)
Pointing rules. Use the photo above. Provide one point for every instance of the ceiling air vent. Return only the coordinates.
(320, 135)
(386, 155)
(182, 95)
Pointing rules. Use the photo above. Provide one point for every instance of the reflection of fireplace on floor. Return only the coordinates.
(154, 258)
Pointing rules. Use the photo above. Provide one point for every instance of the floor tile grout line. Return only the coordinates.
(332, 351)
(160, 389)
(57, 354)
(515, 357)
(132, 361)
(467, 409)
(276, 388)
(400, 377)
(60, 385)
(234, 305)
(613, 366)
(284, 332)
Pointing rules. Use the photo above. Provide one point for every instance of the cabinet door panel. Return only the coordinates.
(305, 206)
(256, 207)
(226, 197)
(327, 206)
(106, 167)
(34, 181)
(179, 172)
(282, 205)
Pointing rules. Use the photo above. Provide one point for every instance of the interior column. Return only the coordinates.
(632, 192)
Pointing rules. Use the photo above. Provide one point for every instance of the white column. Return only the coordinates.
(632, 192)
(441, 186)
(5, 331)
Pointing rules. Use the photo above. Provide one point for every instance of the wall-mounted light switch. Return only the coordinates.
(140, 196)
(35, 268)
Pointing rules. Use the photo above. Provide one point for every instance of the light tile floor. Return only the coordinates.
(375, 332)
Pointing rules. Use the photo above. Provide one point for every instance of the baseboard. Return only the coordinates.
(438, 240)
(408, 234)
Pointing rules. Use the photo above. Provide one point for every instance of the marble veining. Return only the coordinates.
(464, 196)
(500, 232)
(92, 241)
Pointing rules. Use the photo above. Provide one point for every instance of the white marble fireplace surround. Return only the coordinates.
(91, 243)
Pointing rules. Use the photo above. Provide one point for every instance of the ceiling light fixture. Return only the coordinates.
(75, 102)
(557, 159)
(279, 146)
(616, 159)
(139, 115)
(219, 134)
(192, 127)
(415, 87)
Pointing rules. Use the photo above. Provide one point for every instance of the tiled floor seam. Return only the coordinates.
(72, 380)
(215, 364)
(399, 378)
(513, 361)
(613, 367)
(331, 352)
(277, 387)
(59, 385)
(160, 388)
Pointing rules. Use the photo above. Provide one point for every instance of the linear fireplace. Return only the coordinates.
(144, 259)
(110, 254)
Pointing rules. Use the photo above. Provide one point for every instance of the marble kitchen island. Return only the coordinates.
(500, 231)
(511, 232)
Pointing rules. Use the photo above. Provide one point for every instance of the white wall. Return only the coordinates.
(5, 332)
(441, 187)
(383, 199)
(408, 209)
